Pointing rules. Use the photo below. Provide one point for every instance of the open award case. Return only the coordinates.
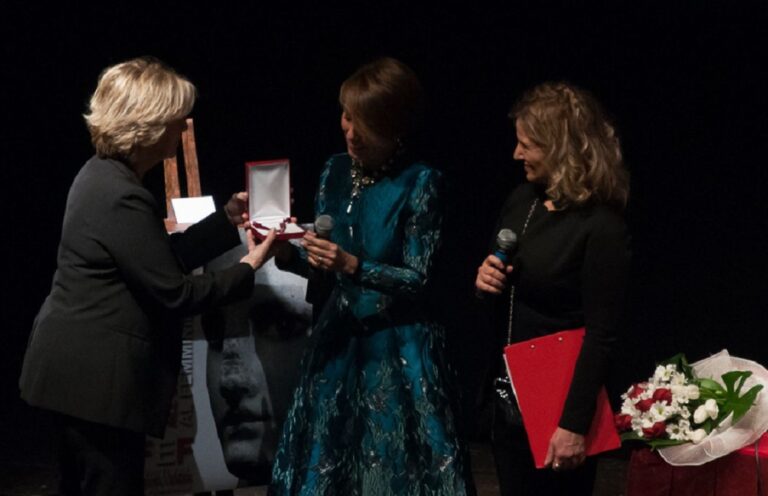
(269, 198)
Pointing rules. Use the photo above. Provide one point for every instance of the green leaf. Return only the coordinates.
(709, 386)
(664, 443)
(631, 436)
(729, 398)
(682, 365)
(708, 425)
(740, 406)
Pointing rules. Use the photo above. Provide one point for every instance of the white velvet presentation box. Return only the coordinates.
(269, 198)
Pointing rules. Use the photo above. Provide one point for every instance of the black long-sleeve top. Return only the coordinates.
(570, 271)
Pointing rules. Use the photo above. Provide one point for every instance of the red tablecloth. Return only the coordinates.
(738, 474)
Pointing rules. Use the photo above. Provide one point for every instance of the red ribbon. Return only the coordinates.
(280, 229)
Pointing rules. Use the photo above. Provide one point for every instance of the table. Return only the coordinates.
(742, 473)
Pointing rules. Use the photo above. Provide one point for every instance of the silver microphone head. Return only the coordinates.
(324, 225)
(506, 240)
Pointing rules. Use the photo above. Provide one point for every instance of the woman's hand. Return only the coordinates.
(258, 251)
(281, 249)
(492, 275)
(566, 450)
(237, 209)
(324, 255)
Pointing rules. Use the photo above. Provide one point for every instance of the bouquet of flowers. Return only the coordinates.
(675, 406)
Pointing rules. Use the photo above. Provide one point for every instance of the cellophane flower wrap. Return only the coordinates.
(680, 405)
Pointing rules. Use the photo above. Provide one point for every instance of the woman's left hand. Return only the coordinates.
(566, 450)
(237, 209)
(325, 255)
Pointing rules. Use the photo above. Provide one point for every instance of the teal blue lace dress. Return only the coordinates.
(371, 414)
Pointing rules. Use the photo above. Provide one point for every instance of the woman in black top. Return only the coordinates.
(569, 271)
(105, 348)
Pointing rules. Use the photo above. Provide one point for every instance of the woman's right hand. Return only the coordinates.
(492, 275)
(258, 251)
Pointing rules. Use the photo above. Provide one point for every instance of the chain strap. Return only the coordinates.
(512, 287)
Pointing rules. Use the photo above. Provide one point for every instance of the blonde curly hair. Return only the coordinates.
(581, 149)
(133, 103)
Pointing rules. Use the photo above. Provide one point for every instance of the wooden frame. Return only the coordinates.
(171, 172)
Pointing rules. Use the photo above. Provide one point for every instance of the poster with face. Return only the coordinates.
(244, 360)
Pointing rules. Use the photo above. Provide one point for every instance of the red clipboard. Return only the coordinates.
(541, 371)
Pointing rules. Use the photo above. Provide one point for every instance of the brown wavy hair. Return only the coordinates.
(581, 148)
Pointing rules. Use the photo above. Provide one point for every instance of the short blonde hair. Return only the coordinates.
(133, 103)
(581, 149)
(387, 98)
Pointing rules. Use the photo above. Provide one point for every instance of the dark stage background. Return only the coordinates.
(686, 84)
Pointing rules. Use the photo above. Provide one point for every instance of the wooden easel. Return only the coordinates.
(171, 170)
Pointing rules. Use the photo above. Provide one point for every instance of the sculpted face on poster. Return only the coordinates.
(240, 366)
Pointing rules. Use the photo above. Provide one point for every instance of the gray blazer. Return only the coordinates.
(106, 344)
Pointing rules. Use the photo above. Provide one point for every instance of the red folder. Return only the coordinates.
(541, 371)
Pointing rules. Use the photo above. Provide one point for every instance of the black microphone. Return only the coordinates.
(506, 245)
(320, 283)
(324, 226)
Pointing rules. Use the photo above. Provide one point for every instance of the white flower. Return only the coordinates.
(707, 410)
(700, 415)
(678, 379)
(663, 374)
(710, 406)
(660, 411)
(637, 426)
(693, 391)
(698, 436)
(679, 393)
(683, 393)
(628, 408)
(678, 432)
(647, 422)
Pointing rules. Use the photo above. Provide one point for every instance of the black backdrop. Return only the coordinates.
(685, 82)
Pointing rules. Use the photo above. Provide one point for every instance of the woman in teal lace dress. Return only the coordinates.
(372, 414)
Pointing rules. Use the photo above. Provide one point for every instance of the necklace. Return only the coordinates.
(512, 287)
(360, 180)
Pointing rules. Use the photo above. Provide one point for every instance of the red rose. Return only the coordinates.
(623, 422)
(663, 395)
(637, 390)
(657, 430)
(645, 405)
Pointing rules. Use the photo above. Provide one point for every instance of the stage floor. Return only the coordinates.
(28, 478)
(27, 467)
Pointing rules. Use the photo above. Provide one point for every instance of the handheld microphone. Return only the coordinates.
(320, 283)
(324, 225)
(506, 245)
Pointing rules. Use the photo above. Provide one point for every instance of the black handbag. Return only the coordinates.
(505, 401)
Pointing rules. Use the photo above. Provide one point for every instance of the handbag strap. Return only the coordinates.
(512, 286)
